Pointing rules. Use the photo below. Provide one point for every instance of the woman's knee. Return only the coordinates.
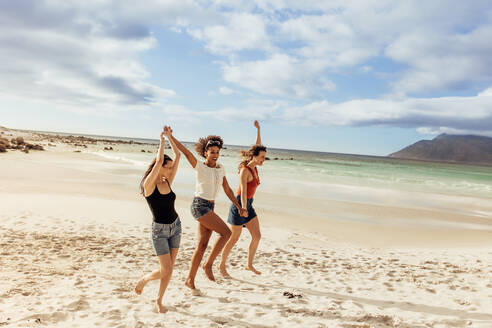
(166, 270)
(256, 236)
(202, 245)
(235, 237)
(226, 233)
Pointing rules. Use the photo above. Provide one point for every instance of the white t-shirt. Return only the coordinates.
(208, 180)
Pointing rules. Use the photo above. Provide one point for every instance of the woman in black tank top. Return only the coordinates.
(166, 225)
(162, 205)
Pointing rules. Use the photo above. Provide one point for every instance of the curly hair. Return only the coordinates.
(247, 155)
(205, 143)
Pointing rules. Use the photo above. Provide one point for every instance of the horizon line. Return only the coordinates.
(191, 142)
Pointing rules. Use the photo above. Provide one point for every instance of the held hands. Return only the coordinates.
(257, 125)
(243, 212)
(168, 132)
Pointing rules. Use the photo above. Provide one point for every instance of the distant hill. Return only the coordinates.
(450, 148)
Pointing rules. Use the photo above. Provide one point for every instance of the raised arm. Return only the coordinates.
(151, 179)
(189, 156)
(228, 191)
(258, 137)
(177, 155)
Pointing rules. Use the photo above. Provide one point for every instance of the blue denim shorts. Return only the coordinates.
(235, 218)
(166, 236)
(200, 207)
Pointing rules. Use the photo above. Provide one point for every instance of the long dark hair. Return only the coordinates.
(247, 155)
(151, 166)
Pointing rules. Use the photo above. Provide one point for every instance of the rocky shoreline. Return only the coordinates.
(17, 143)
(33, 140)
(25, 140)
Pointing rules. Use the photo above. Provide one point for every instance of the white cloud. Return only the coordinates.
(441, 46)
(279, 75)
(239, 31)
(443, 62)
(459, 115)
(253, 109)
(486, 93)
(226, 91)
(85, 54)
(472, 113)
(76, 70)
(433, 131)
(329, 39)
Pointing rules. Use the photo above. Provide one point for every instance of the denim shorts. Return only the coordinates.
(235, 218)
(166, 236)
(200, 207)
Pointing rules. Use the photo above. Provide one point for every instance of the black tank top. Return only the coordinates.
(162, 206)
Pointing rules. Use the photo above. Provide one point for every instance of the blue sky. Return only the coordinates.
(367, 77)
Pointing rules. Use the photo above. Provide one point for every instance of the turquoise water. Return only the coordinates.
(329, 169)
(325, 177)
(454, 179)
(327, 185)
(323, 180)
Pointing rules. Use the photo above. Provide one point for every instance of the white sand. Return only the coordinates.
(74, 239)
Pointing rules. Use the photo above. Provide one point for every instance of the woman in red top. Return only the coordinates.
(249, 181)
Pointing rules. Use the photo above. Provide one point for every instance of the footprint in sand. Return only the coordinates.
(183, 305)
(78, 305)
(114, 314)
(139, 324)
(462, 302)
(224, 300)
(391, 273)
(221, 320)
(44, 318)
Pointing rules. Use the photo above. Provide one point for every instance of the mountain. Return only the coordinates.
(450, 148)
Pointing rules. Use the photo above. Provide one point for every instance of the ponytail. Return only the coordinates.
(247, 155)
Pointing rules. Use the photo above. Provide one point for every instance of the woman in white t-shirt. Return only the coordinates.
(210, 176)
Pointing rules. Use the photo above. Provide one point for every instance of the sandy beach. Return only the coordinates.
(75, 239)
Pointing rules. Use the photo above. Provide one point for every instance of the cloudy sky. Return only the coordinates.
(367, 77)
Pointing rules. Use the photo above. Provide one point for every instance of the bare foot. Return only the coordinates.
(159, 307)
(209, 272)
(223, 271)
(140, 286)
(190, 284)
(251, 268)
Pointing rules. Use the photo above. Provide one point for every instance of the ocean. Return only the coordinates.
(454, 188)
